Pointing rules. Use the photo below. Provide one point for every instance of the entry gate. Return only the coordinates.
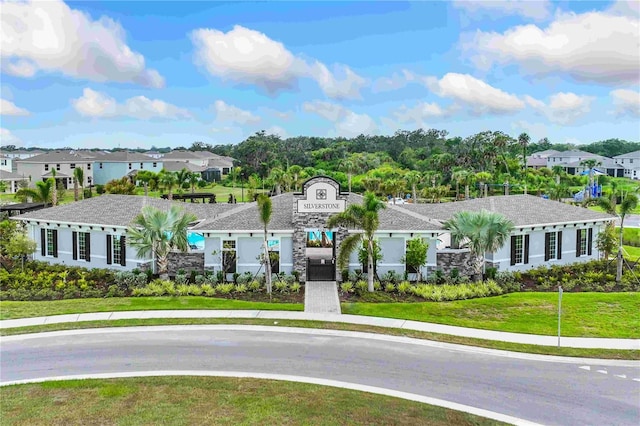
(321, 269)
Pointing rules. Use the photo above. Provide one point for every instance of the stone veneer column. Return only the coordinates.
(312, 220)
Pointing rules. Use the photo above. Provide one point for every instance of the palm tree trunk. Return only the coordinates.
(370, 266)
(466, 192)
(146, 188)
(267, 264)
(163, 267)
(415, 193)
(349, 179)
(75, 189)
(619, 260)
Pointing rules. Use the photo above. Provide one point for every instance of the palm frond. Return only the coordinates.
(348, 245)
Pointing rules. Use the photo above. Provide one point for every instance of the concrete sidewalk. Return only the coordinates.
(530, 339)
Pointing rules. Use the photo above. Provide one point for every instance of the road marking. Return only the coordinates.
(602, 371)
(622, 376)
(586, 367)
(289, 378)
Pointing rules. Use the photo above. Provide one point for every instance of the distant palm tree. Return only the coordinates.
(523, 140)
(169, 181)
(41, 193)
(413, 179)
(193, 180)
(359, 216)
(157, 232)
(483, 178)
(264, 209)
(349, 167)
(482, 231)
(54, 190)
(78, 180)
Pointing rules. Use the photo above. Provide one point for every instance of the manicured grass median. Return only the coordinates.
(219, 401)
(10, 309)
(583, 314)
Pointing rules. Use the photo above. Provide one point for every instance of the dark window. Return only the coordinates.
(553, 245)
(46, 167)
(155, 165)
(225, 170)
(100, 165)
(274, 256)
(141, 166)
(58, 167)
(584, 242)
(49, 242)
(519, 249)
(129, 166)
(73, 166)
(229, 256)
(88, 166)
(82, 246)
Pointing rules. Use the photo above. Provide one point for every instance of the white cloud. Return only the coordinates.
(9, 108)
(625, 8)
(535, 9)
(224, 129)
(97, 104)
(592, 47)
(563, 107)
(283, 115)
(347, 123)
(230, 113)
(396, 81)
(478, 95)
(419, 114)
(50, 36)
(537, 131)
(627, 102)
(247, 56)
(8, 138)
(277, 130)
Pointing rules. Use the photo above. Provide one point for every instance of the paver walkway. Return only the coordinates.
(321, 297)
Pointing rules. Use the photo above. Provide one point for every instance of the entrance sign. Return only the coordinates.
(321, 197)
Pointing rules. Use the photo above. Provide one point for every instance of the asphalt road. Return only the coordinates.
(537, 390)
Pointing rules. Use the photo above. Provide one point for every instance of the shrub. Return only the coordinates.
(389, 287)
(240, 288)
(182, 278)
(346, 287)
(255, 285)
(404, 287)
(361, 287)
(281, 286)
(295, 287)
(208, 290)
(245, 278)
(225, 288)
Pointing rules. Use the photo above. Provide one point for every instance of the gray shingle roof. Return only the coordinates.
(117, 210)
(61, 157)
(245, 217)
(5, 175)
(522, 210)
(633, 154)
(125, 157)
(176, 166)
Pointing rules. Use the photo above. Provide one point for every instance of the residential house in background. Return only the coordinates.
(6, 163)
(631, 164)
(115, 165)
(571, 161)
(538, 160)
(11, 181)
(154, 154)
(19, 154)
(40, 167)
(212, 167)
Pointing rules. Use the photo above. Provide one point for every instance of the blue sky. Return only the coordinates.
(142, 74)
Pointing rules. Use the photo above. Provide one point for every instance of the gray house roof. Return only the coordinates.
(634, 154)
(61, 157)
(117, 210)
(126, 157)
(5, 175)
(522, 210)
(176, 166)
(245, 217)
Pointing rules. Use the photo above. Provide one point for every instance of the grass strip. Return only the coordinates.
(613, 315)
(514, 347)
(13, 310)
(216, 401)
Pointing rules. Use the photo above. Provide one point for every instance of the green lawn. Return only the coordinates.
(212, 401)
(11, 310)
(631, 253)
(583, 314)
(600, 209)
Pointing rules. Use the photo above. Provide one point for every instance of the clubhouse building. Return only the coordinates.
(229, 237)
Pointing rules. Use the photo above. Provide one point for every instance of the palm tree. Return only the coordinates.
(54, 190)
(629, 203)
(264, 209)
(482, 231)
(78, 180)
(523, 140)
(41, 193)
(169, 181)
(413, 179)
(558, 171)
(193, 180)
(157, 232)
(146, 177)
(349, 168)
(365, 217)
(483, 178)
